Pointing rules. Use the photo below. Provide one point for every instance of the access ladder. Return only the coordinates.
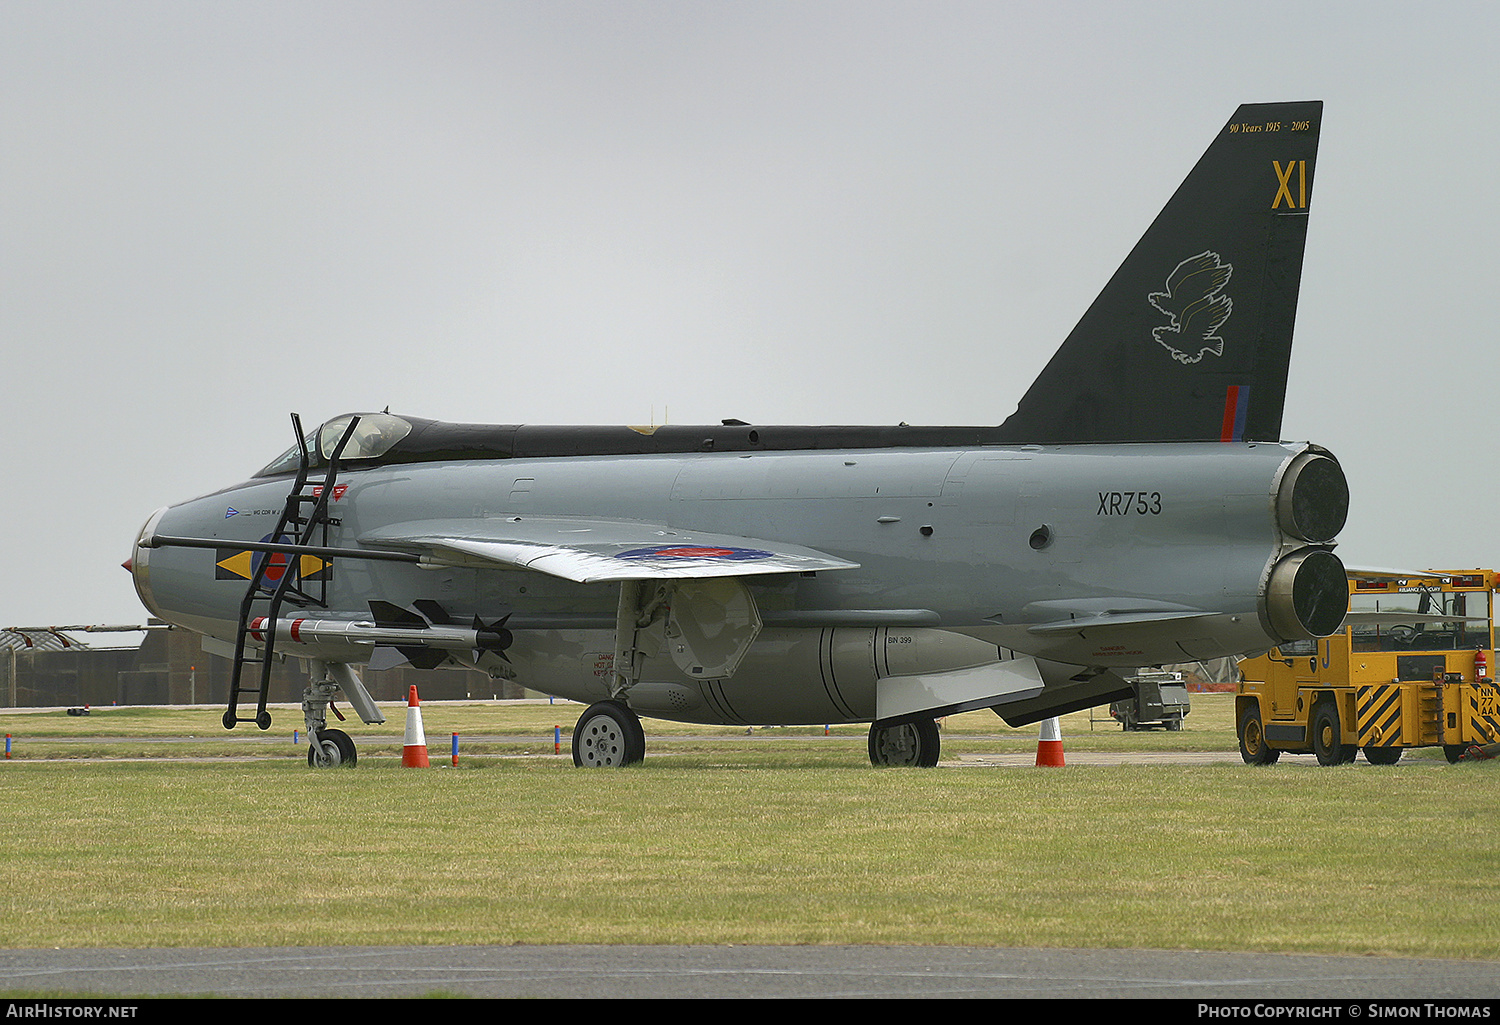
(261, 629)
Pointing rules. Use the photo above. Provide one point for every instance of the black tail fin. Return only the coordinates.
(1191, 338)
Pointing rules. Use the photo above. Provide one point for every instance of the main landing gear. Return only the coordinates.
(608, 736)
(912, 743)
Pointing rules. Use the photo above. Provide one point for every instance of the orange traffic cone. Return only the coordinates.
(414, 750)
(1049, 749)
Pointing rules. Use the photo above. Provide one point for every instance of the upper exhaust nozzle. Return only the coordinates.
(1313, 500)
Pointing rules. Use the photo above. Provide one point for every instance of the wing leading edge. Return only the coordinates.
(590, 551)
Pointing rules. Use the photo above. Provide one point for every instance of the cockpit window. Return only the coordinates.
(284, 463)
(372, 438)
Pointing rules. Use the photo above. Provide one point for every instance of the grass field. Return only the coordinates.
(781, 836)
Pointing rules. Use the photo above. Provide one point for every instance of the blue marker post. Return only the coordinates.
(7, 745)
(557, 740)
(455, 750)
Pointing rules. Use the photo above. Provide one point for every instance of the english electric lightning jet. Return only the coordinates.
(1138, 508)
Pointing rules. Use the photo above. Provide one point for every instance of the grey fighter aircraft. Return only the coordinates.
(1138, 508)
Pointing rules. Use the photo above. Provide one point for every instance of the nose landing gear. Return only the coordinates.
(331, 749)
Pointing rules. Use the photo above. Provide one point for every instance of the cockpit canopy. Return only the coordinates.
(372, 438)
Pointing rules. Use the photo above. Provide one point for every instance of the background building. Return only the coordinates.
(60, 667)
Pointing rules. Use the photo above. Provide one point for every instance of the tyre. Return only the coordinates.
(1382, 755)
(913, 743)
(1327, 735)
(1253, 747)
(608, 736)
(331, 749)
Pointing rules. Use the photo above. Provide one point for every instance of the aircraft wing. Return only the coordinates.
(599, 551)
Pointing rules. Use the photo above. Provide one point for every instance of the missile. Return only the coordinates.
(424, 638)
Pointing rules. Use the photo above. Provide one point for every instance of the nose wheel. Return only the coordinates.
(331, 749)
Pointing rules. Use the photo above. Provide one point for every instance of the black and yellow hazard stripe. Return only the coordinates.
(1378, 712)
(1484, 713)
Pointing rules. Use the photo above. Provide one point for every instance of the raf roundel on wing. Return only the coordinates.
(669, 552)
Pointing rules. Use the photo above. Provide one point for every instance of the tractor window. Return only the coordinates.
(1425, 619)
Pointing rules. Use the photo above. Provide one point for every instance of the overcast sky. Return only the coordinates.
(215, 213)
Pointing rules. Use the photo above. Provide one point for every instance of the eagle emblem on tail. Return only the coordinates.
(1196, 306)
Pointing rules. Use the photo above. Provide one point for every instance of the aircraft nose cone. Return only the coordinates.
(139, 562)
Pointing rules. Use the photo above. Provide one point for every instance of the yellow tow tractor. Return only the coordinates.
(1412, 667)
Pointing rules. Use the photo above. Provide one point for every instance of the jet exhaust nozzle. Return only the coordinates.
(1312, 502)
(1307, 595)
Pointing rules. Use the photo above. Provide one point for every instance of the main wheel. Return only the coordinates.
(331, 749)
(912, 743)
(608, 736)
(1327, 736)
(1253, 747)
